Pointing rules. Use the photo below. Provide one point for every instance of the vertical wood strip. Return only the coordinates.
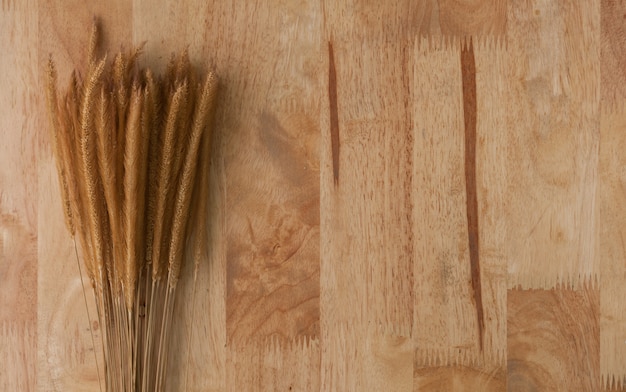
(491, 188)
(612, 256)
(613, 54)
(271, 113)
(468, 76)
(367, 237)
(20, 121)
(553, 123)
(445, 322)
(460, 182)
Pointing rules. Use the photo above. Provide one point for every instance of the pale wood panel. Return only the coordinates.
(366, 202)
(66, 359)
(446, 327)
(269, 116)
(371, 179)
(445, 322)
(612, 256)
(553, 125)
(20, 118)
(492, 182)
(553, 340)
(19, 124)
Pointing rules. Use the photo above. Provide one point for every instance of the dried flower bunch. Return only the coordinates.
(132, 153)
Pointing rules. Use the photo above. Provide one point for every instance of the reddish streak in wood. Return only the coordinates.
(334, 112)
(468, 71)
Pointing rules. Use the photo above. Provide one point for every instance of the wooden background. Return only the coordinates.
(365, 158)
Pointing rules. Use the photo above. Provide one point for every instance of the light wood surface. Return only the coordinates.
(405, 196)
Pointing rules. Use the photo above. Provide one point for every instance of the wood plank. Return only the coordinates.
(445, 315)
(366, 202)
(553, 125)
(491, 186)
(19, 123)
(460, 312)
(69, 342)
(613, 53)
(612, 256)
(553, 340)
(272, 225)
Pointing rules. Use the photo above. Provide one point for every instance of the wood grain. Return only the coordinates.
(460, 378)
(613, 53)
(446, 318)
(444, 313)
(468, 77)
(553, 124)
(339, 245)
(466, 18)
(274, 365)
(367, 240)
(19, 124)
(427, 18)
(553, 340)
(273, 225)
(491, 187)
(612, 255)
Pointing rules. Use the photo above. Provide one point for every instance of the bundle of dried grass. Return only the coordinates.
(132, 151)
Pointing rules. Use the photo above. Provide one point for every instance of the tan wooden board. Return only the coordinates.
(405, 196)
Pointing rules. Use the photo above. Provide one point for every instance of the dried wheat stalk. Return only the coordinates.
(132, 155)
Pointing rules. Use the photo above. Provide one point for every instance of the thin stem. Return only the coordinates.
(93, 340)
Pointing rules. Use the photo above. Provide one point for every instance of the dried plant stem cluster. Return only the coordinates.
(132, 153)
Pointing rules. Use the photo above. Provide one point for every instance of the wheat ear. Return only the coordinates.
(93, 46)
(165, 178)
(155, 145)
(61, 159)
(88, 146)
(133, 192)
(185, 185)
(69, 122)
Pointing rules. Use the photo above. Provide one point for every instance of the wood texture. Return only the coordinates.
(613, 50)
(20, 120)
(553, 124)
(405, 196)
(612, 201)
(366, 210)
(553, 340)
